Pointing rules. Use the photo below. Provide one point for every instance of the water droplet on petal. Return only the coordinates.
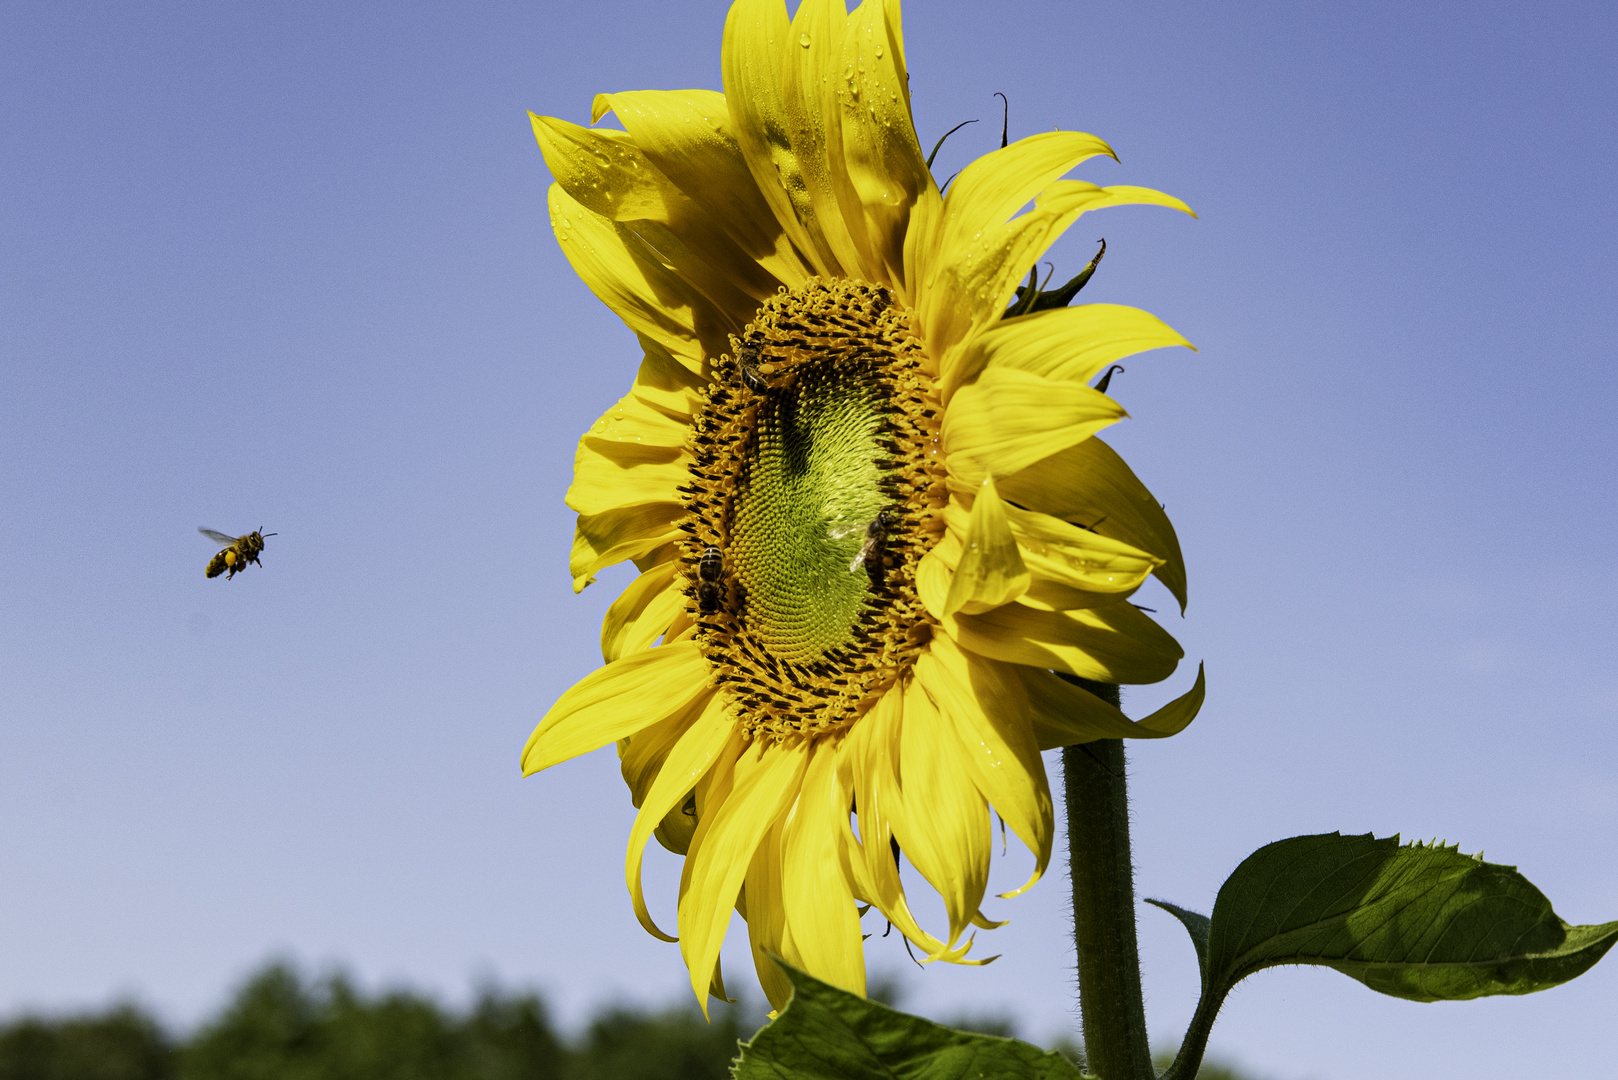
(803, 39)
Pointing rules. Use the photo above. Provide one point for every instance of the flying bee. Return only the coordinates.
(875, 533)
(709, 568)
(238, 552)
(747, 364)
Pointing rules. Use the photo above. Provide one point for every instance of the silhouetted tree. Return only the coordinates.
(123, 1044)
(279, 1026)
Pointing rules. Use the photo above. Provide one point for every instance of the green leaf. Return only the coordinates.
(1417, 921)
(829, 1034)
(1196, 925)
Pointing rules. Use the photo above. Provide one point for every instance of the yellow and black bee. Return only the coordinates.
(747, 364)
(709, 570)
(238, 552)
(876, 533)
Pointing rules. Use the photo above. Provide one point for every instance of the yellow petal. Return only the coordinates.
(632, 432)
(1115, 643)
(608, 174)
(601, 483)
(677, 828)
(990, 711)
(814, 891)
(665, 384)
(921, 238)
(1090, 484)
(682, 628)
(1177, 715)
(990, 572)
(981, 200)
(1062, 553)
(886, 168)
(642, 754)
(872, 752)
(934, 576)
(638, 285)
(940, 818)
(716, 986)
(973, 280)
(688, 135)
(685, 763)
(617, 700)
(1072, 344)
(625, 532)
(1064, 714)
(753, 61)
(642, 613)
(998, 184)
(1009, 419)
(727, 836)
(811, 74)
(764, 909)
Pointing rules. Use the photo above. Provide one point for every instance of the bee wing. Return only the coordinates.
(216, 536)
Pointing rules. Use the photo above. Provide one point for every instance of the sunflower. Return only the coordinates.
(880, 547)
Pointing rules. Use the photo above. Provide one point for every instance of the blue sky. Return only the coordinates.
(289, 265)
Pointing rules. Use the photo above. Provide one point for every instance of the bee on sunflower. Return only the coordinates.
(877, 538)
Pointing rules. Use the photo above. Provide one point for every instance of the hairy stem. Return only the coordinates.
(1110, 1004)
(1189, 1060)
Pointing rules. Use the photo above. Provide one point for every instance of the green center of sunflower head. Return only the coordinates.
(812, 497)
(808, 495)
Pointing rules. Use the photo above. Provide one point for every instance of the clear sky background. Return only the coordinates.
(288, 265)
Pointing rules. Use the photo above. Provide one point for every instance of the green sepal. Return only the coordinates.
(1197, 926)
(829, 1034)
(1031, 298)
(1416, 921)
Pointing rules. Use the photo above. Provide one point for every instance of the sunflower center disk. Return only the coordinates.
(813, 480)
(810, 490)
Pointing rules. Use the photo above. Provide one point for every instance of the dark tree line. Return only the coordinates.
(281, 1027)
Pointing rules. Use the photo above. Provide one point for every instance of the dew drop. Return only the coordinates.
(879, 50)
(803, 39)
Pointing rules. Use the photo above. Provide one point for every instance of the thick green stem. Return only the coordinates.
(1189, 1059)
(1110, 1004)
